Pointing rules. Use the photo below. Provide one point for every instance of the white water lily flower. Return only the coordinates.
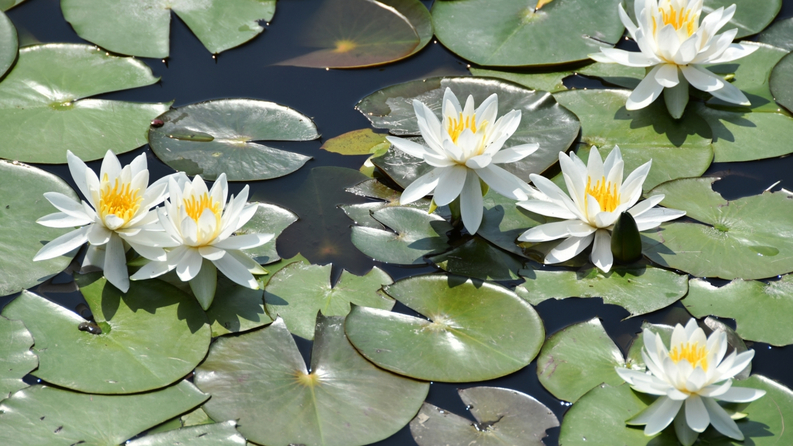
(201, 224)
(693, 371)
(464, 148)
(674, 42)
(597, 198)
(117, 210)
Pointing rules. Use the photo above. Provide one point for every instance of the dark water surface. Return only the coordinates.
(322, 234)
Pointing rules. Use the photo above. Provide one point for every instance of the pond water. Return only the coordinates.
(322, 234)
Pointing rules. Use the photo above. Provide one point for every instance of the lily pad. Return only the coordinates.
(361, 214)
(760, 309)
(642, 135)
(5, 5)
(195, 418)
(509, 33)
(212, 137)
(552, 80)
(415, 234)
(141, 27)
(22, 202)
(781, 78)
(479, 259)
(639, 289)
(779, 34)
(750, 238)
(45, 112)
(151, 337)
(598, 418)
(221, 434)
(18, 360)
(42, 415)
(344, 400)
(357, 142)
(475, 332)
(299, 291)
(356, 33)
(504, 416)
(543, 121)
(577, 359)
(503, 222)
(268, 219)
(9, 44)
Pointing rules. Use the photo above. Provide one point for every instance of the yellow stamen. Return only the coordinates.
(194, 208)
(605, 193)
(457, 126)
(118, 199)
(677, 19)
(691, 352)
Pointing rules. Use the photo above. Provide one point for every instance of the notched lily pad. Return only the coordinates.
(141, 27)
(509, 33)
(475, 331)
(42, 415)
(45, 112)
(504, 416)
(750, 238)
(150, 337)
(297, 292)
(18, 360)
(342, 400)
(212, 137)
(415, 234)
(639, 289)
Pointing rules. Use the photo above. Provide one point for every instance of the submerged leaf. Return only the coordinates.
(357, 142)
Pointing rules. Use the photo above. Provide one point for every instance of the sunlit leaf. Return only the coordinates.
(296, 293)
(213, 137)
(151, 337)
(45, 112)
(356, 33)
(781, 78)
(361, 214)
(42, 415)
(18, 360)
(8, 42)
(357, 142)
(504, 416)
(779, 34)
(761, 310)
(642, 135)
(141, 27)
(639, 289)
(509, 33)
(343, 401)
(474, 332)
(22, 202)
(5, 5)
(221, 434)
(268, 219)
(751, 237)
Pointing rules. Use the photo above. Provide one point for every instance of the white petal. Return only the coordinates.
(667, 75)
(515, 153)
(78, 170)
(685, 434)
(61, 220)
(702, 79)
(65, 204)
(149, 252)
(730, 93)
(601, 251)
(115, 267)
(407, 146)
(668, 42)
(471, 203)
(211, 253)
(189, 265)
(503, 182)
(741, 395)
(556, 230)
(245, 241)
(487, 110)
(687, 51)
(627, 58)
(220, 190)
(741, 362)
(98, 235)
(450, 184)
(646, 205)
(733, 52)
(721, 420)
(555, 194)
(631, 189)
(479, 161)
(421, 186)
(547, 208)
(646, 92)
(654, 217)
(429, 126)
(568, 249)
(110, 166)
(696, 415)
(235, 271)
(63, 244)
(658, 415)
(451, 105)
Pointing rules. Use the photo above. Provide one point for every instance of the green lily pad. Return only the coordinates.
(151, 337)
(141, 27)
(355, 33)
(18, 360)
(357, 142)
(642, 135)
(750, 238)
(543, 121)
(639, 289)
(418, 16)
(504, 416)
(5, 5)
(297, 292)
(361, 214)
(221, 434)
(42, 415)
(503, 222)
(760, 309)
(344, 400)
(9, 44)
(779, 34)
(45, 112)
(400, 167)
(598, 418)
(212, 137)
(22, 202)
(479, 259)
(475, 332)
(268, 219)
(780, 81)
(509, 33)
(195, 418)
(415, 234)
(551, 81)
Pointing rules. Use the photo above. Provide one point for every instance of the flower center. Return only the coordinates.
(118, 199)
(691, 352)
(345, 46)
(604, 192)
(678, 18)
(457, 126)
(194, 208)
